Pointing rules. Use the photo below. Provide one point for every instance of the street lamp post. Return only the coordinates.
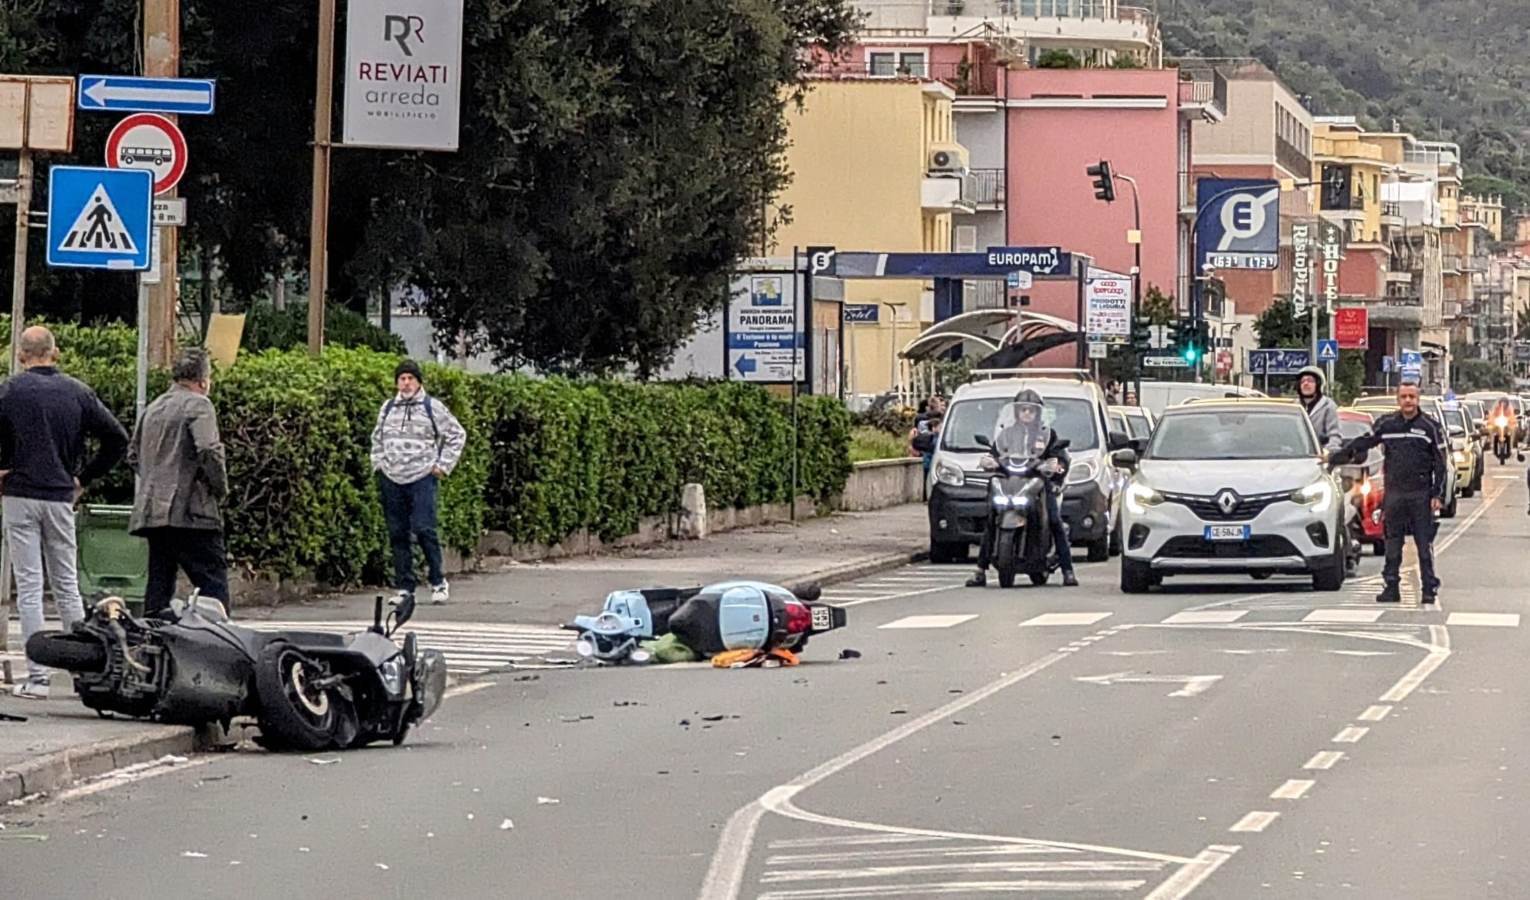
(1134, 237)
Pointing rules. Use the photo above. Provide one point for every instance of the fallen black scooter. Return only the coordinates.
(308, 691)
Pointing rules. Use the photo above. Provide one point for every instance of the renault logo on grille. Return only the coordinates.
(1227, 501)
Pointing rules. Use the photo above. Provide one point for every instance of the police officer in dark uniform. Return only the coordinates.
(1415, 448)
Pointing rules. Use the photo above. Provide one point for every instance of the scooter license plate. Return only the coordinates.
(823, 618)
(1227, 532)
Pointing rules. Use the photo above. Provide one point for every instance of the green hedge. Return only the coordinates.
(545, 458)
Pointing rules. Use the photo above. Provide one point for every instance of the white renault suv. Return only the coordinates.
(1231, 486)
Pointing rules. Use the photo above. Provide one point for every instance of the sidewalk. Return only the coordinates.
(832, 548)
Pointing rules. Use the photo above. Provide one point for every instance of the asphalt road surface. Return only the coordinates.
(1232, 739)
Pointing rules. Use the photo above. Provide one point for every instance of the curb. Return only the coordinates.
(60, 769)
(863, 567)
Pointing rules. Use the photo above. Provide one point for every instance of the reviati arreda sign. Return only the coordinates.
(1352, 328)
(403, 74)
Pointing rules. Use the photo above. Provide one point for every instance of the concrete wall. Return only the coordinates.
(881, 483)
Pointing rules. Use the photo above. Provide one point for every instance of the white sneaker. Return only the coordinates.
(34, 688)
(440, 593)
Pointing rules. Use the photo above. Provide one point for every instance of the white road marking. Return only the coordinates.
(1455, 535)
(1134, 652)
(1207, 617)
(1507, 477)
(1375, 713)
(929, 622)
(953, 888)
(1193, 684)
(1324, 760)
(469, 688)
(1255, 821)
(1084, 618)
(1350, 735)
(1191, 876)
(950, 850)
(933, 590)
(1292, 790)
(1343, 615)
(1499, 620)
(1410, 682)
(1362, 652)
(1005, 867)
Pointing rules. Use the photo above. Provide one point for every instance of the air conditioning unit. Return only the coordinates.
(950, 158)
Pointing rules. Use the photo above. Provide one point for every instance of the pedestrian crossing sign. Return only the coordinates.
(100, 218)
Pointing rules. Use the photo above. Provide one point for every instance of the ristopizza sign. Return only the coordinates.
(1301, 267)
(403, 74)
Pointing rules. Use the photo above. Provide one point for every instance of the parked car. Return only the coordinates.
(1133, 421)
(1231, 486)
(1466, 452)
(1076, 409)
(1158, 396)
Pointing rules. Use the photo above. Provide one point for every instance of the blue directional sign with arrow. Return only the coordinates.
(100, 218)
(125, 93)
(1328, 350)
(765, 344)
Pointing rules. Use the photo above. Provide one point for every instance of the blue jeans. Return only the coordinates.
(410, 510)
(1059, 531)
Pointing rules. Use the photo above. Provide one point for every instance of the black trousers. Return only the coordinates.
(1407, 514)
(197, 552)
(1060, 542)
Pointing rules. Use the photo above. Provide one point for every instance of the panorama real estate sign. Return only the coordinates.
(764, 342)
(403, 74)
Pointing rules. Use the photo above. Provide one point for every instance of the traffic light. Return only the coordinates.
(1142, 335)
(1193, 340)
(1104, 181)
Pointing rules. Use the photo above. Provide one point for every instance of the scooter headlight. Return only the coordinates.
(1501, 421)
(1318, 495)
(1139, 497)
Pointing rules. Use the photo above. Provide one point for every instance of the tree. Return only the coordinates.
(616, 161)
(1467, 375)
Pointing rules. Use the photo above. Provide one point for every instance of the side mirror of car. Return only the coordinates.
(1119, 440)
(1457, 431)
(983, 440)
(1124, 459)
(1139, 445)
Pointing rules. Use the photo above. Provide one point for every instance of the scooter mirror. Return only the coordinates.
(402, 613)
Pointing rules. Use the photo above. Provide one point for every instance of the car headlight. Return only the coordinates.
(948, 473)
(1082, 472)
(1365, 488)
(1318, 495)
(1139, 497)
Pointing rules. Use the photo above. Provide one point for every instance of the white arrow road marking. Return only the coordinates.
(1193, 684)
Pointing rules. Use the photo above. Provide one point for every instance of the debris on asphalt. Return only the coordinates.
(23, 836)
(848, 653)
(958, 722)
(627, 703)
(7, 717)
(192, 854)
(383, 866)
(545, 801)
(528, 678)
(322, 762)
(503, 826)
(685, 723)
(899, 712)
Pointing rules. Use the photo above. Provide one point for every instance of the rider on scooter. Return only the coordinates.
(1030, 437)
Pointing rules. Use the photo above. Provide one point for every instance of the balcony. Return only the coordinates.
(969, 79)
(988, 187)
(1293, 159)
(1055, 23)
(1391, 213)
(948, 194)
(1203, 90)
(1451, 264)
(1399, 310)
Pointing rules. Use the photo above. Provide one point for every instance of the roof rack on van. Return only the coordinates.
(1083, 375)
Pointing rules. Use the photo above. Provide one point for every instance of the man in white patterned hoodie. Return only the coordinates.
(416, 443)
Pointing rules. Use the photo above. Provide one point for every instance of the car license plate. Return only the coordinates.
(1227, 532)
(823, 618)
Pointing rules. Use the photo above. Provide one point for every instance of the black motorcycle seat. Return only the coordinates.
(314, 639)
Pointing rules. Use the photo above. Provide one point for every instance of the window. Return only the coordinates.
(888, 63)
(1232, 434)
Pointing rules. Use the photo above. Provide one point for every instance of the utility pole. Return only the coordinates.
(323, 127)
(162, 59)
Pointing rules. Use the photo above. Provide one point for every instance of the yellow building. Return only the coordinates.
(865, 176)
(1349, 171)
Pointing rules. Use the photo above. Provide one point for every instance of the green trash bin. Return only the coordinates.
(110, 559)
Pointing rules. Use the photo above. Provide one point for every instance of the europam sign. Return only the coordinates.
(403, 74)
(1237, 224)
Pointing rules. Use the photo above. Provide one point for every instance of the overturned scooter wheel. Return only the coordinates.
(294, 712)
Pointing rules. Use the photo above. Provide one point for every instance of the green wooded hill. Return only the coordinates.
(1455, 70)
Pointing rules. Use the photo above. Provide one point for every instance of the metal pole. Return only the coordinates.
(318, 232)
(18, 316)
(796, 327)
(141, 387)
(161, 59)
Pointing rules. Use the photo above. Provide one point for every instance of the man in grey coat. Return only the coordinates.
(182, 479)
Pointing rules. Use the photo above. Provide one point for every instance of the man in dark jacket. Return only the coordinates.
(182, 478)
(1415, 447)
(1029, 436)
(45, 417)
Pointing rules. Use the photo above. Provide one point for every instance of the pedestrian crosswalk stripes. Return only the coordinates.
(470, 648)
(899, 865)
